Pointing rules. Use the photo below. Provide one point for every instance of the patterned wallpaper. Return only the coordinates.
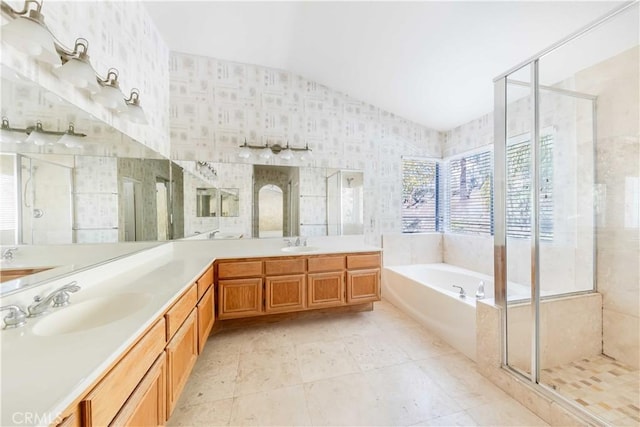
(216, 104)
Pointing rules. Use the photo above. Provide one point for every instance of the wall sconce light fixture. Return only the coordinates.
(267, 151)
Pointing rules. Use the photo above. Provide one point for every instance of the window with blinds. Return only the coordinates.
(519, 188)
(419, 195)
(469, 189)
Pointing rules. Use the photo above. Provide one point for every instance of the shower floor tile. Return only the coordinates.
(604, 386)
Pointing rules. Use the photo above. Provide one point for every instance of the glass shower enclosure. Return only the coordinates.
(567, 246)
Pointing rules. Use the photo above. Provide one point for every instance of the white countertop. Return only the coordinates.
(43, 375)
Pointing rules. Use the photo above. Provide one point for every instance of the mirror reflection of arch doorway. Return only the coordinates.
(270, 206)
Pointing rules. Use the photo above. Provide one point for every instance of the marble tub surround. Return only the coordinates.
(161, 274)
(370, 368)
(404, 249)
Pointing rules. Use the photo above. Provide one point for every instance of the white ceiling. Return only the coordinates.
(430, 62)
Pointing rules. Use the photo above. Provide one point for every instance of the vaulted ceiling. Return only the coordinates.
(430, 62)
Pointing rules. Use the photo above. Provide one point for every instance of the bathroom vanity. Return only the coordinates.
(124, 348)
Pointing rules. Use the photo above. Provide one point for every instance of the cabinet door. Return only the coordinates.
(205, 318)
(239, 298)
(363, 286)
(325, 289)
(182, 352)
(146, 406)
(285, 293)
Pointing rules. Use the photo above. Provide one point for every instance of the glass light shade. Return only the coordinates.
(70, 141)
(135, 114)
(13, 137)
(40, 139)
(306, 155)
(30, 37)
(80, 74)
(286, 154)
(245, 152)
(111, 98)
(266, 153)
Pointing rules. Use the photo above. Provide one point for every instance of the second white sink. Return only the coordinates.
(91, 314)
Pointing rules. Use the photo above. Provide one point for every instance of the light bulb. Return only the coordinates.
(266, 153)
(286, 154)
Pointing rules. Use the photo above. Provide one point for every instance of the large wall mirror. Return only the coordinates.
(275, 201)
(71, 201)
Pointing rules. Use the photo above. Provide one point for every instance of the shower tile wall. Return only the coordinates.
(617, 169)
(216, 104)
(109, 27)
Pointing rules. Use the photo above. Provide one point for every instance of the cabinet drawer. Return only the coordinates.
(180, 310)
(204, 282)
(326, 263)
(279, 267)
(228, 270)
(146, 406)
(363, 261)
(102, 404)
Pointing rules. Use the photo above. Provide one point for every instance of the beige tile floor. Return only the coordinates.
(604, 386)
(372, 368)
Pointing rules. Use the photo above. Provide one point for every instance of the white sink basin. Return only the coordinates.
(91, 314)
(299, 249)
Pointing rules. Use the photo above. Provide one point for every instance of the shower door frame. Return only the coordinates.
(501, 83)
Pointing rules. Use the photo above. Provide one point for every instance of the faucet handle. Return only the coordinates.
(61, 297)
(16, 317)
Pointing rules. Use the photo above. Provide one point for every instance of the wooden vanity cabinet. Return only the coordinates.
(182, 352)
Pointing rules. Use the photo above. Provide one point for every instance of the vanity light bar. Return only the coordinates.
(28, 33)
(286, 152)
(40, 136)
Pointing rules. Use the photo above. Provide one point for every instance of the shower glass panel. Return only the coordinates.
(567, 206)
(519, 128)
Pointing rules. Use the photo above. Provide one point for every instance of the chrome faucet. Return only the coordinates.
(60, 298)
(16, 317)
(297, 241)
(8, 253)
(462, 292)
(213, 234)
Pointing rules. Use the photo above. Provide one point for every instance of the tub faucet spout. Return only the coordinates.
(462, 292)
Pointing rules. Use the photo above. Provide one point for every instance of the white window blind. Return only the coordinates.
(469, 188)
(519, 188)
(419, 195)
